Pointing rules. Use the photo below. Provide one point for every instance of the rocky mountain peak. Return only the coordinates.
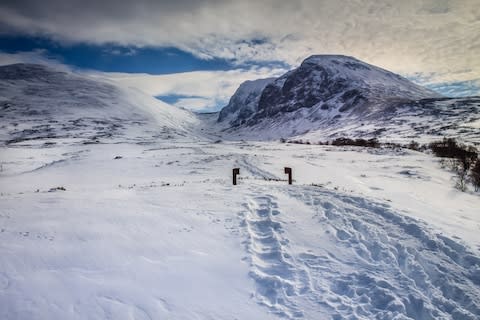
(328, 86)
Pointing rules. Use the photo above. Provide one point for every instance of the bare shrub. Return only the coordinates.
(475, 175)
(413, 145)
(371, 143)
(458, 157)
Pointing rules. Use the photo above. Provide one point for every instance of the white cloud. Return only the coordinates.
(202, 90)
(197, 104)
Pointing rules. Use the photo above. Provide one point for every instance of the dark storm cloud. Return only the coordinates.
(112, 9)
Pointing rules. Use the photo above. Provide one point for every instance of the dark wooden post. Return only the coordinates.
(235, 172)
(289, 172)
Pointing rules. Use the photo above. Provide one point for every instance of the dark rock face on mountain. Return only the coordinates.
(325, 87)
(306, 87)
(243, 104)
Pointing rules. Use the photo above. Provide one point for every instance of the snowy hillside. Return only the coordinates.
(328, 96)
(423, 121)
(116, 206)
(38, 102)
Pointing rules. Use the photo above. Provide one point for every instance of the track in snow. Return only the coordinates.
(370, 262)
(278, 279)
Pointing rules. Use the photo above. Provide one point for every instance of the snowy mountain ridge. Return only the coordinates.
(327, 95)
(378, 80)
(39, 102)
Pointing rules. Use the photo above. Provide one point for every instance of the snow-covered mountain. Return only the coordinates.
(327, 85)
(329, 94)
(40, 102)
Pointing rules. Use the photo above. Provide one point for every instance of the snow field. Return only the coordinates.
(162, 233)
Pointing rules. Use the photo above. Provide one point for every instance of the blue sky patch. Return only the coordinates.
(174, 98)
(448, 89)
(114, 58)
(457, 89)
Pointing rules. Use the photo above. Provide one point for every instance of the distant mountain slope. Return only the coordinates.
(423, 121)
(331, 95)
(39, 102)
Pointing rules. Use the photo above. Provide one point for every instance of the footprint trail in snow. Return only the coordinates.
(278, 279)
(369, 262)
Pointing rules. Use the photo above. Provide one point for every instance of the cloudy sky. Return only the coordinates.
(194, 53)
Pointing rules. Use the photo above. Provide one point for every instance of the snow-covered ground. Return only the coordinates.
(161, 233)
(114, 205)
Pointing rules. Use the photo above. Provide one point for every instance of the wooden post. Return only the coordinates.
(235, 172)
(289, 172)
